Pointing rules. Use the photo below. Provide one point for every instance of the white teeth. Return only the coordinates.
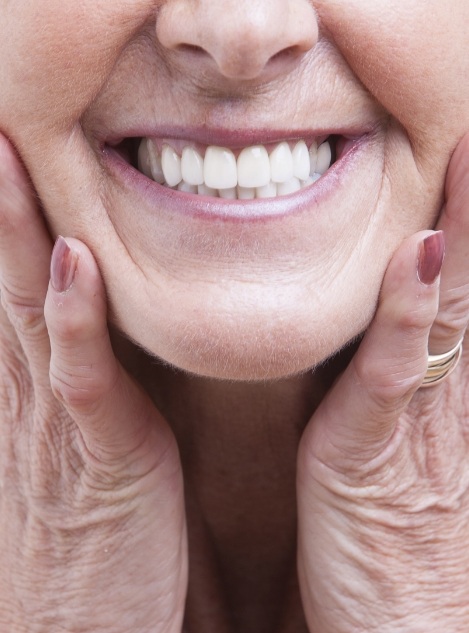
(292, 185)
(203, 190)
(313, 157)
(171, 164)
(246, 193)
(267, 191)
(301, 161)
(324, 158)
(220, 168)
(254, 174)
(192, 166)
(229, 194)
(155, 163)
(186, 187)
(281, 163)
(253, 167)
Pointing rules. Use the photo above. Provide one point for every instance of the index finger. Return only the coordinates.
(451, 321)
(25, 250)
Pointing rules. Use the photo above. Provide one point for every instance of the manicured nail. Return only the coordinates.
(63, 265)
(431, 255)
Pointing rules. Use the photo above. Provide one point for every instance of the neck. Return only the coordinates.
(238, 444)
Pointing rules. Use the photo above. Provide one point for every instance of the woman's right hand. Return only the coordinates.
(93, 534)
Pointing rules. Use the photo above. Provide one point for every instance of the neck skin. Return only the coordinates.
(238, 444)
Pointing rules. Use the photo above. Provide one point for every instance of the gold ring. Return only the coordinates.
(441, 365)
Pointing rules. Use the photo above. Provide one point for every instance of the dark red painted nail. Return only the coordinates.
(63, 265)
(431, 255)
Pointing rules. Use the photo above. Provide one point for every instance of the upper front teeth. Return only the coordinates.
(253, 167)
(281, 163)
(192, 166)
(220, 169)
(253, 174)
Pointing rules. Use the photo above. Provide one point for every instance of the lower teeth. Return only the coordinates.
(272, 190)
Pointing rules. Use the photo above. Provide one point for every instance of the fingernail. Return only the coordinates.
(63, 265)
(431, 255)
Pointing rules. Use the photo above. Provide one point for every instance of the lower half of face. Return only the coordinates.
(261, 288)
(242, 289)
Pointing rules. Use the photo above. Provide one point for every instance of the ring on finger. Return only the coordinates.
(440, 366)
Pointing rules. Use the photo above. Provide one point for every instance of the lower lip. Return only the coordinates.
(216, 209)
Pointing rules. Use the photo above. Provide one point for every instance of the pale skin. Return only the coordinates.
(138, 497)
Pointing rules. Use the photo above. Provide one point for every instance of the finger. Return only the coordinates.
(113, 413)
(359, 415)
(453, 314)
(25, 249)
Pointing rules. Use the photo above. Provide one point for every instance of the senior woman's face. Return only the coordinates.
(96, 92)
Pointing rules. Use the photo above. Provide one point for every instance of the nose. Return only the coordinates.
(246, 39)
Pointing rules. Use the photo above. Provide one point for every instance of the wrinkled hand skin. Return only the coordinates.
(91, 501)
(383, 473)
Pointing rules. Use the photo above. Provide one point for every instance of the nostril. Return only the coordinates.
(286, 54)
(191, 48)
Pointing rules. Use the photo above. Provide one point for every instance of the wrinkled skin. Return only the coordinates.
(98, 439)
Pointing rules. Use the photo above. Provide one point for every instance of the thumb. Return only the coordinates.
(359, 415)
(115, 416)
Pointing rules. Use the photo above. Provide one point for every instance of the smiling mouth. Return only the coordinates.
(253, 172)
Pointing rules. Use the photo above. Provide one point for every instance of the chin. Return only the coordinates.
(251, 347)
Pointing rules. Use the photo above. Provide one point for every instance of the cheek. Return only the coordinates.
(411, 55)
(56, 55)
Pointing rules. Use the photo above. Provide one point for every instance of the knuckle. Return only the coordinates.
(389, 388)
(79, 389)
(415, 322)
(71, 393)
(28, 321)
(69, 328)
(397, 392)
(449, 329)
(453, 315)
(410, 318)
(26, 316)
(17, 205)
(69, 325)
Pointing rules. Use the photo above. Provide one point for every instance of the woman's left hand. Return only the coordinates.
(383, 471)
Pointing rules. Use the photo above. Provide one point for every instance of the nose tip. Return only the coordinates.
(244, 38)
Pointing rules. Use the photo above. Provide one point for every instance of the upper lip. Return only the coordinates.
(233, 138)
